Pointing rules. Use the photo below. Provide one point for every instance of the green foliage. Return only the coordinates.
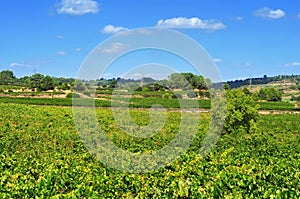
(205, 94)
(186, 81)
(226, 86)
(167, 96)
(246, 91)
(191, 94)
(73, 95)
(63, 86)
(7, 77)
(79, 86)
(268, 94)
(295, 98)
(176, 95)
(284, 106)
(47, 83)
(240, 115)
(178, 81)
(41, 156)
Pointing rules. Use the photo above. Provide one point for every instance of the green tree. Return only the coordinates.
(63, 86)
(246, 91)
(269, 94)
(191, 94)
(47, 83)
(7, 77)
(195, 81)
(240, 114)
(226, 86)
(262, 94)
(273, 95)
(79, 86)
(35, 81)
(178, 81)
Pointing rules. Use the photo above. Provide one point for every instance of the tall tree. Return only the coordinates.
(35, 81)
(47, 83)
(7, 77)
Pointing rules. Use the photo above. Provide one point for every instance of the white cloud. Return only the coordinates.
(217, 60)
(239, 18)
(195, 22)
(113, 48)
(293, 64)
(266, 12)
(78, 49)
(30, 63)
(78, 7)
(61, 53)
(17, 64)
(21, 64)
(110, 29)
(60, 37)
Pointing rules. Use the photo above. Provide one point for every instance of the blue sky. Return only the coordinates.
(245, 38)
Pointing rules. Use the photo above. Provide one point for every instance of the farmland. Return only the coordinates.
(41, 155)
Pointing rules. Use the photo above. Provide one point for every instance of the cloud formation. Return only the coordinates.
(217, 60)
(78, 7)
(238, 18)
(110, 29)
(191, 23)
(18, 64)
(60, 37)
(61, 53)
(30, 63)
(293, 64)
(268, 13)
(113, 48)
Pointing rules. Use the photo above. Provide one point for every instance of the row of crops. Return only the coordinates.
(139, 102)
(41, 155)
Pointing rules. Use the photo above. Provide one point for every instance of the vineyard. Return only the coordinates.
(139, 102)
(41, 155)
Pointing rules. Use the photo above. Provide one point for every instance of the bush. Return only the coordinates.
(167, 96)
(191, 94)
(294, 98)
(176, 95)
(240, 115)
(73, 95)
(268, 94)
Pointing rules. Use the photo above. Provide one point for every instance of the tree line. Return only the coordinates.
(40, 82)
(36, 81)
(263, 80)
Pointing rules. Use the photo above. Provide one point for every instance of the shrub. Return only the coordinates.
(73, 95)
(268, 94)
(240, 115)
(176, 95)
(294, 98)
(166, 96)
(191, 94)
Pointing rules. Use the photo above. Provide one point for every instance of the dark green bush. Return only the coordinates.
(73, 95)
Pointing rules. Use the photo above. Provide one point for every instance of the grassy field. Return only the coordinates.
(41, 155)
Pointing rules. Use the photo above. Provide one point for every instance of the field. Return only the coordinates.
(139, 103)
(41, 155)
